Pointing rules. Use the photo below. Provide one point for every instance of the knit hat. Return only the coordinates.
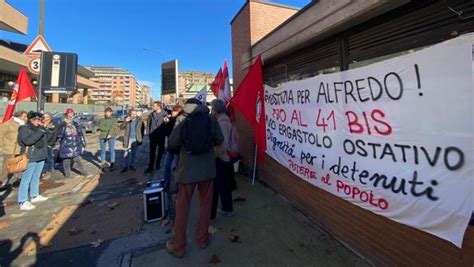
(34, 115)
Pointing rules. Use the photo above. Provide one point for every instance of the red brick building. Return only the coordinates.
(328, 36)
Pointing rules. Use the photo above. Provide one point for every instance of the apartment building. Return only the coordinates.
(186, 81)
(116, 86)
(146, 94)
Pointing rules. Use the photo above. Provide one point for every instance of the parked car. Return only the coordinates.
(89, 122)
(121, 115)
(58, 118)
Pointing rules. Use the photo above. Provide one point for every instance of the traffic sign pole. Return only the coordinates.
(40, 102)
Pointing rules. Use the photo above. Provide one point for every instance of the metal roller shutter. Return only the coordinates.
(413, 25)
(416, 24)
(303, 63)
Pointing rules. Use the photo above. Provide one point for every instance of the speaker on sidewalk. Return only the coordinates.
(154, 201)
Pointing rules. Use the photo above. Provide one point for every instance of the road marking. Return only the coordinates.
(91, 185)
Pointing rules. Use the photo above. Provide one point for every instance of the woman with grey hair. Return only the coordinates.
(222, 182)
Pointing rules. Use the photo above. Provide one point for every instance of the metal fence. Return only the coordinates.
(58, 107)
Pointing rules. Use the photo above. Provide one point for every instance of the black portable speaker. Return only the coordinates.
(154, 202)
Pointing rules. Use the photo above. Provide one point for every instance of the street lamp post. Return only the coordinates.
(156, 52)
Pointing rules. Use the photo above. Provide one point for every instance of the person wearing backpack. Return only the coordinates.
(222, 182)
(194, 137)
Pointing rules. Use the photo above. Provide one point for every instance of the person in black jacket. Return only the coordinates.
(169, 158)
(33, 140)
(156, 132)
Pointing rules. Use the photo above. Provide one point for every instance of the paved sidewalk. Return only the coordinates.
(270, 232)
(99, 222)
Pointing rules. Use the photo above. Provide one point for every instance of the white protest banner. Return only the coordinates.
(395, 137)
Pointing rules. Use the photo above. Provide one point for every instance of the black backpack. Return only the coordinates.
(197, 133)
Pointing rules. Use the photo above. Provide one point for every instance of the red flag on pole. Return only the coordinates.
(216, 84)
(249, 100)
(224, 92)
(21, 91)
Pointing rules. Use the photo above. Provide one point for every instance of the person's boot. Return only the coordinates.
(46, 175)
(124, 170)
(171, 248)
(111, 168)
(103, 166)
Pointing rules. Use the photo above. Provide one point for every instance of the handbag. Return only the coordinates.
(18, 163)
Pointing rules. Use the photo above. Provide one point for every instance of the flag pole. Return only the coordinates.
(254, 165)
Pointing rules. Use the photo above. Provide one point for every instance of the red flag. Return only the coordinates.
(21, 91)
(224, 92)
(216, 84)
(248, 99)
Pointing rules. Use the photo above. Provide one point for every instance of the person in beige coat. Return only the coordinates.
(8, 143)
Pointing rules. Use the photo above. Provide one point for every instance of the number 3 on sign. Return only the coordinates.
(34, 65)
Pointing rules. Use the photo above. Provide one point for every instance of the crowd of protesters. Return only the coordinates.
(198, 146)
(34, 135)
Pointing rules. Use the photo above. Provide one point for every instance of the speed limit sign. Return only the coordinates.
(34, 65)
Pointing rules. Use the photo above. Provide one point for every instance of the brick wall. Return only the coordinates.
(254, 21)
(265, 17)
(380, 240)
(240, 30)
